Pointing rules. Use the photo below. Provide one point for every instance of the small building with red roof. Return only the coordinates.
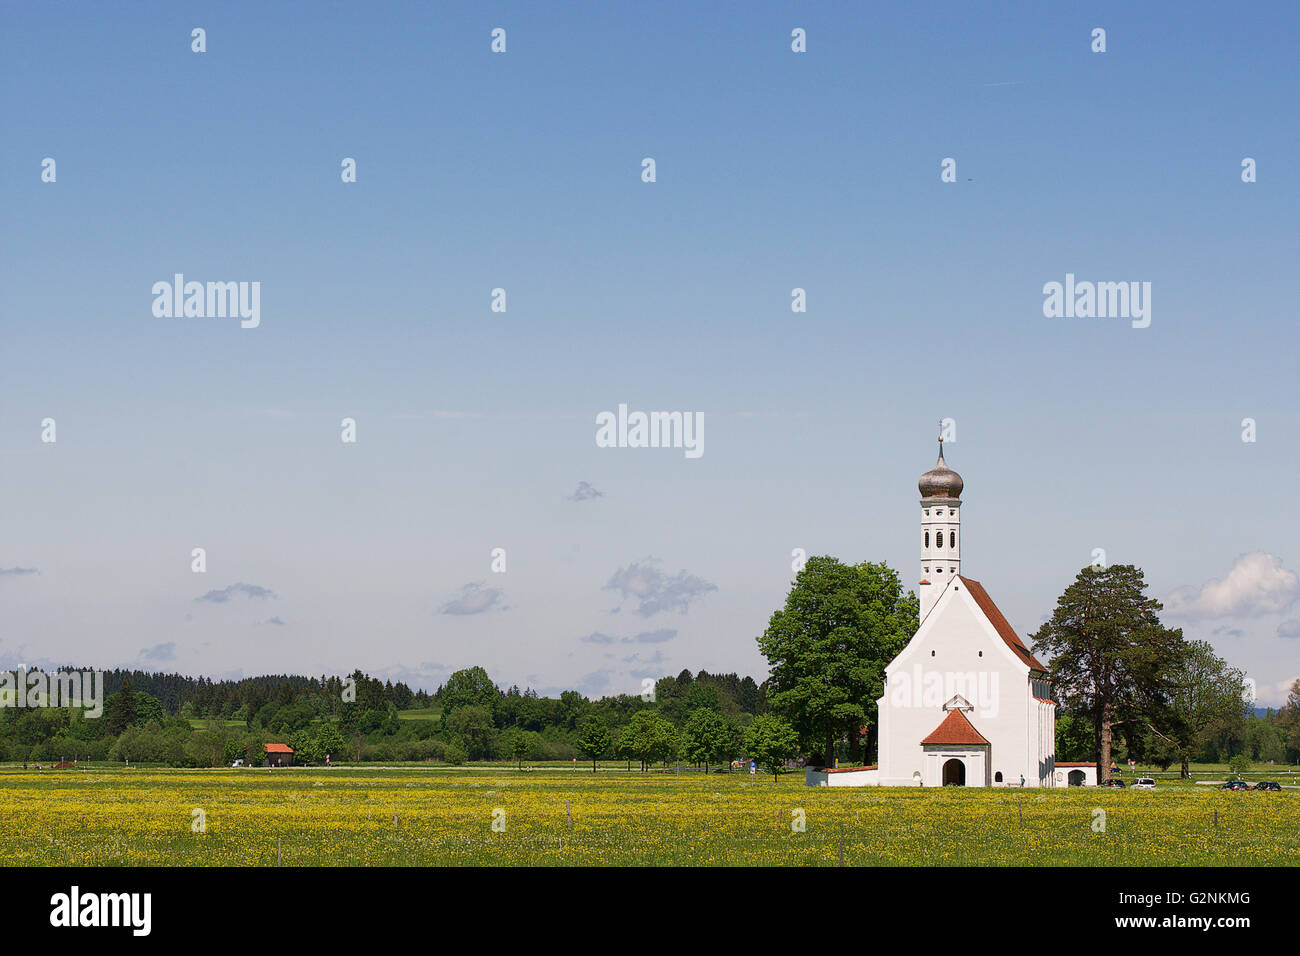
(279, 755)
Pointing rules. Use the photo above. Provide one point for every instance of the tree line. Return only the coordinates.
(183, 721)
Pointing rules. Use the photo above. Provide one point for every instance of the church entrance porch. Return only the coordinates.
(951, 766)
(954, 773)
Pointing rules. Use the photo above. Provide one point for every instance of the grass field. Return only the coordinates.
(422, 816)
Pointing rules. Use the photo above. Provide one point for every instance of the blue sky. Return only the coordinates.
(522, 171)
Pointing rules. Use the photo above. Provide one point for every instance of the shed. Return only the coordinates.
(279, 755)
(1076, 773)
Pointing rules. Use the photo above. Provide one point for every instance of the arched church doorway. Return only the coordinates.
(954, 773)
(1076, 778)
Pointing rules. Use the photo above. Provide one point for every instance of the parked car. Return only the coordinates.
(1144, 783)
(1235, 785)
(1267, 785)
(237, 763)
(1113, 782)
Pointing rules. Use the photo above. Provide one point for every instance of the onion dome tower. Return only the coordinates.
(940, 489)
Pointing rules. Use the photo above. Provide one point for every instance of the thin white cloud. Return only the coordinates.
(159, 653)
(474, 599)
(656, 591)
(222, 595)
(1256, 584)
(660, 636)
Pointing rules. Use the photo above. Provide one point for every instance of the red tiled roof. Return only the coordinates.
(1044, 700)
(1000, 623)
(955, 729)
(848, 769)
(279, 749)
(925, 580)
(1083, 763)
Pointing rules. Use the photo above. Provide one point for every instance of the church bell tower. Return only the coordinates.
(940, 489)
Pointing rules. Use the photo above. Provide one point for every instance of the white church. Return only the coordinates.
(965, 702)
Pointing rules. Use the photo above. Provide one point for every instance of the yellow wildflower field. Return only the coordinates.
(422, 817)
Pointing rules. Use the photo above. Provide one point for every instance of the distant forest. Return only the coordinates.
(197, 721)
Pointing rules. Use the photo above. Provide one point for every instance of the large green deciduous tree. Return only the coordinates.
(1110, 656)
(771, 741)
(706, 737)
(828, 647)
(470, 687)
(593, 738)
(1201, 693)
(649, 738)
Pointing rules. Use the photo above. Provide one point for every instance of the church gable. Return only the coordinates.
(957, 623)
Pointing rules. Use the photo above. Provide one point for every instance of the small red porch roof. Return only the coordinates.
(955, 729)
(279, 749)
